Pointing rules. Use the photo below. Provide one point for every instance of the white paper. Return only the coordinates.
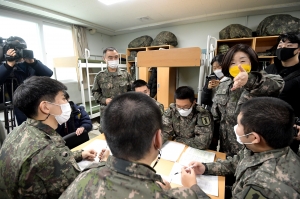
(175, 174)
(171, 151)
(192, 154)
(209, 184)
(97, 145)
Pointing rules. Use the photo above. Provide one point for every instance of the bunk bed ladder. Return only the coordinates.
(90, 96)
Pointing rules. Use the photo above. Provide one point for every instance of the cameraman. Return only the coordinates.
(17, 68)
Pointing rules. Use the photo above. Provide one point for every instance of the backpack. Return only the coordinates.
(278, 24)
(235, 31)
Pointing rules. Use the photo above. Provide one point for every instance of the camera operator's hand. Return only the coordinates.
(29, 61)
(12, 53)
(298, 135)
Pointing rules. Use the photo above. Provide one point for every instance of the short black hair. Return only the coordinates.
(185, 92)
(217, 58)
(129, 123)
(109, 49)
(67, 96)
(33, 90)
(293, 37)
(138, 83)
(270, 117)
(226, 63)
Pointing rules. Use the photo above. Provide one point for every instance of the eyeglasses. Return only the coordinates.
(183, 108)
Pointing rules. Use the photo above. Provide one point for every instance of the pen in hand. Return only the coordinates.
(188, 168)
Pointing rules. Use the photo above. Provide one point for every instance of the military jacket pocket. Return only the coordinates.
(221, 96)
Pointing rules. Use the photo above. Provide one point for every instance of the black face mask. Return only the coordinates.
(284, 54)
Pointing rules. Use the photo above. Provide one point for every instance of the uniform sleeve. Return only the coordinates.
(223, 167)
(85, 120)
(130, 82)
(161, 108)
(254, 191)
(40, 69)
(97, 91)
(195, 192)
(168, 130)
(263, 84)
(48, 173)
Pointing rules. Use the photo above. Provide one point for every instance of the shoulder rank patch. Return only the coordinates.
(254, 193)
(205, 120)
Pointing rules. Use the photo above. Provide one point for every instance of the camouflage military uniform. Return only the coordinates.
(269, 174)
(195, 130)
(118, 178)
(109, 85)
(35, 163)
(160, 106)
(226, 104)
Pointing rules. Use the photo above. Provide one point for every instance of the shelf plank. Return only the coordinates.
(176, 57)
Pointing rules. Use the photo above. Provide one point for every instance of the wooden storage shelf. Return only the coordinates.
(144, 73)
(259, 44)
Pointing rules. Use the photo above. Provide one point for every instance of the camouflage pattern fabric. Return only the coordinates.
(141, 41)
(223, 48)
(118, 178)
(235, 31)
(132, 55)
(161, 107)
(278, 24)
(269, 174)
(35, 163)
(195, 130)
(109, 85)
(227, 103)
(165, 38)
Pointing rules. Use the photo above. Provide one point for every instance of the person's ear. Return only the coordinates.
(43, 107)
(257, 138)
(158, 140)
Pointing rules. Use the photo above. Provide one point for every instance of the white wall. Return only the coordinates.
(191, 35)
(98, 42)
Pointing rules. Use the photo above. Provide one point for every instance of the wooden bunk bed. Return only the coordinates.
(166, 62)
(86, 70)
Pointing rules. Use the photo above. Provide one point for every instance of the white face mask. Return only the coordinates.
(113, 63)
(219, 73)
(238, 139)
(65, 113)
(185, 113)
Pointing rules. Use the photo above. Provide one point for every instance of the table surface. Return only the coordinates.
(164, 167)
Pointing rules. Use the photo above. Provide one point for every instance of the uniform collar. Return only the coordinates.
(138, 170)
(117, 73)
(251, 159)
(43, 127)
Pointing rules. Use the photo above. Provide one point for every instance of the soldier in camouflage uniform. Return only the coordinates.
(134, 137)
(266, 167)
(142, 87)
(111, 82)
(188, 122)
(240, 87)
(34, 161)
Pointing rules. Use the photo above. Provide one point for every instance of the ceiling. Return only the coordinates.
(136, 15)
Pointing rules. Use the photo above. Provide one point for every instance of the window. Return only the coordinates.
(59, 43)
(26, 30)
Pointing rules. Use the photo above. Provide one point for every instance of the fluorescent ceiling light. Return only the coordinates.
(109, 2)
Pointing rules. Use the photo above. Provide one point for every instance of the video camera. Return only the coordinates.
(16, 43)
